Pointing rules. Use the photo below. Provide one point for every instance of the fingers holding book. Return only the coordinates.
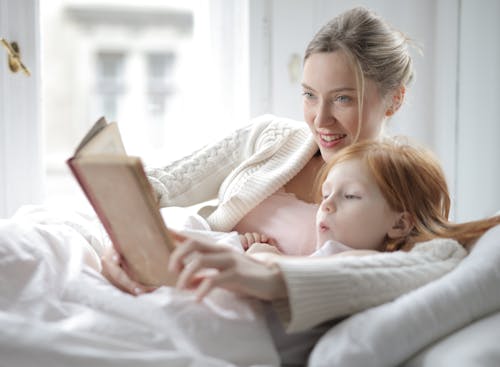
(115, 273)
(203, 267)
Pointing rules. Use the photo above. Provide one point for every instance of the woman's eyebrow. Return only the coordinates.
(334, 90)
(304, 85)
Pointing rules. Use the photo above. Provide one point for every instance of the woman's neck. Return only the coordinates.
(303, 185)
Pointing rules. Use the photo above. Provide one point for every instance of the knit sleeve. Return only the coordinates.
(321, 289)
(197, 178)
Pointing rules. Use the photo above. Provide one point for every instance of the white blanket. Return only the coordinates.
(57, 310)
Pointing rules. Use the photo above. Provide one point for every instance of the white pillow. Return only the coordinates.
(389, 334)
(474, 345)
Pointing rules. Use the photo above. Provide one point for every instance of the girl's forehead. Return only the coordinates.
(349, 170)
(352, 173)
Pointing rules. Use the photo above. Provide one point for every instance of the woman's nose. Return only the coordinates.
(324, 115)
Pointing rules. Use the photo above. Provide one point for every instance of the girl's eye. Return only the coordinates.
(350, 196)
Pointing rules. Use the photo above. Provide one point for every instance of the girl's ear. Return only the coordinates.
(402, 226)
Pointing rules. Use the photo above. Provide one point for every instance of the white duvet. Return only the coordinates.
(57, 310)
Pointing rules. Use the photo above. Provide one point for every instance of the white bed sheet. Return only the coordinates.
(57, 310)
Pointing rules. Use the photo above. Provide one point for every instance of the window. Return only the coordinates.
(160, 69)
(175, 74)
(110, 59)
(172, 74)
(110, 83)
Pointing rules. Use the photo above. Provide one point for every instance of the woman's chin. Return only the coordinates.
(328, 153)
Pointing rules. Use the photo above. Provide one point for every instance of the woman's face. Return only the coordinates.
(331, 103)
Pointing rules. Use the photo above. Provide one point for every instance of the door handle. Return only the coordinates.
(14, 57)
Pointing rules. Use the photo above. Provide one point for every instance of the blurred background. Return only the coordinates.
(177, 75)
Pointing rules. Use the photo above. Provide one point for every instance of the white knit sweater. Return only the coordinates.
(321, 289)
(241, 170)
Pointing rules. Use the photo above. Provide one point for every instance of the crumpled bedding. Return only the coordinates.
(57, 310)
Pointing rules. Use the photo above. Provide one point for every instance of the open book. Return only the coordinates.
(117, 188)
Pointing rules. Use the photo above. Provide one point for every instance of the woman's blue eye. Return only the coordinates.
(307, 94)
(343, 99)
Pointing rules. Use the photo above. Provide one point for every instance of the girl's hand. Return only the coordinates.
(113, 271)
(205, 267)
(263, 248)
(249, 238)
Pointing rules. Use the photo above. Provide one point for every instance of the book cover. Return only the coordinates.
(117, 188)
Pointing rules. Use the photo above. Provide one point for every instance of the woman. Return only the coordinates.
(356, 70)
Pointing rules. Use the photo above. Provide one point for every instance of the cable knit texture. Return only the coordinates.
(241, 170)
(321, 289)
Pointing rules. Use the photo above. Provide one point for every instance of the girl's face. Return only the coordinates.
(331, 103)
(353, 211)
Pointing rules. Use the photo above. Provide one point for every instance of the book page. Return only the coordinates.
(102, 139)
(98, 126)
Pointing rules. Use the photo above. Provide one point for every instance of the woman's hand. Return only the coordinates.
(205, 267)
(113, 271)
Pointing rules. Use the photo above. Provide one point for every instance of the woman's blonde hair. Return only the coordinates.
(411, 180)
(374, 49)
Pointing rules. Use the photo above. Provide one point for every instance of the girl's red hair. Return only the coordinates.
(411, 180)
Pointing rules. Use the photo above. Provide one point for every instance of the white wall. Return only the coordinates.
(445, 89)
(21, 175)
(478, 129)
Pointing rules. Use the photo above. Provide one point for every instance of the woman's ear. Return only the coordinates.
(396, 101)
(402, 226)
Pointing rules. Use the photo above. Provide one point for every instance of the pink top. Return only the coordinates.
(290, 221)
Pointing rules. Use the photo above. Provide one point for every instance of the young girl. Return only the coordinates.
(396, 195)
(376, 197)
(380, 196)
(384, 196)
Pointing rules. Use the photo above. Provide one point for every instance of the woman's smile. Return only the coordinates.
(330, 140)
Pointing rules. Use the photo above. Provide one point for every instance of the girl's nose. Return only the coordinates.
(328, 204)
